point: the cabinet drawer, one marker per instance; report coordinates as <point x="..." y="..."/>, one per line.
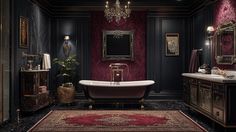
<point x="193" y="81"/>
<point x="218" y="114"/>
<point x="205" y="84"/>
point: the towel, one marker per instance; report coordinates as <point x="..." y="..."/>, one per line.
<point x="194" y="61"/>
<point x="43" y="89"/>
<point x="46" y="64"/>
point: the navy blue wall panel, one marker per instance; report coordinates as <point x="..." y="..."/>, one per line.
<point x="200" y="21"/>
<point x="172" y="66"/>
<point x="165" y="70"/>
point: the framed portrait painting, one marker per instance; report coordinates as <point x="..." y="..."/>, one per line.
<point x="24" y="32"/>
<point x="172" y="44"/>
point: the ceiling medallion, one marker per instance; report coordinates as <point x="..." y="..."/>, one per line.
<point x="117" y="12"/>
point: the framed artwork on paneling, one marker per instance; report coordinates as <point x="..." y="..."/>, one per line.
<point x="24" y="32"/>
<point x="172" y="44"/>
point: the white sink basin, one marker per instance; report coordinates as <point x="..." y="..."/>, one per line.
<point x="211" y="77"/>
<point x="216" y="76"/>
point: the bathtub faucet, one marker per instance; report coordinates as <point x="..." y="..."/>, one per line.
<point x="116" y="71"/>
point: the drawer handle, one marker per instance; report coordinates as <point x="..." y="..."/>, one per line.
<point x="217" y="113"/>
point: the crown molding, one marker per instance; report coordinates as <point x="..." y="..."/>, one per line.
<point x="70" y="7"/>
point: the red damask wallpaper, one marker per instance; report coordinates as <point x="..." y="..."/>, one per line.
<point x="225" y="10"/>
<point x="137" y="68"/>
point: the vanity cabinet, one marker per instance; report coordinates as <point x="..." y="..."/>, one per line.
<point x="216" y="100"/>
<point x="34" y="90"/>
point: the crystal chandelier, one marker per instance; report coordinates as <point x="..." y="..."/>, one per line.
<point x="117" y="12"/>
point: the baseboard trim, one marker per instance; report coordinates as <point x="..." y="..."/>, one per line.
<point x="151" y="96"/>
<point x="165" y="95"/>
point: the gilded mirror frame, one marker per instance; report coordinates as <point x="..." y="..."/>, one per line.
<point x="117" y="37"/>
<point x="225" y="35"/>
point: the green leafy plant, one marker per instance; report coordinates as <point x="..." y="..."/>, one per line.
<point x="66" y="67"/>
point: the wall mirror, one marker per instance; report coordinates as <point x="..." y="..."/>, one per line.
<point x="225" y="38"/>
<point x="117" y="45"/>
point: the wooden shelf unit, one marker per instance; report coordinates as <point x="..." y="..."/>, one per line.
<point x="34" y="90"/>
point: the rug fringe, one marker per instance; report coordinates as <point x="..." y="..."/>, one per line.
<point x="193" y="121"/>
<point x="40" y="121"/>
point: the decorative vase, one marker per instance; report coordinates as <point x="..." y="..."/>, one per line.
<point x="66" y="93"/>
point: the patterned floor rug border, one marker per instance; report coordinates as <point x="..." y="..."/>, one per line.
<point x="116" y="120"/>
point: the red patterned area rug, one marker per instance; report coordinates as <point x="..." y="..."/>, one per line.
<point x="116" y="121"/>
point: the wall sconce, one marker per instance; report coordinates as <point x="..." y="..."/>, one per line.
<point x="207" y="42"/>
<point x="66" y="46"/>
<point x="210" y="31"/>
<point x="66" y="38"/>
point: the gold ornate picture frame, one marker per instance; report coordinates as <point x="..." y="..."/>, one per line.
<point x="172" y="44"/>
<point x="24" y="32"/>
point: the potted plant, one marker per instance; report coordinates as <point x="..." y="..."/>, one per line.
<point x="67" y="67"/>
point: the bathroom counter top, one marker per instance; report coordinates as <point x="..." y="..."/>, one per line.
<point x="210" y="77"/>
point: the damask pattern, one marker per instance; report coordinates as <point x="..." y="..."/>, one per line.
<point x="137" y="68"/>
<point x="225" y="11"/>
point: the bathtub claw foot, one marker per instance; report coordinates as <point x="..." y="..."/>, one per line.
<point x="142" y="107"/>
<point x="90" y="107"/>
<point x="141" y="104"/>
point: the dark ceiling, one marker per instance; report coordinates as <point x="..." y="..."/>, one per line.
<point x="183" y="7"/>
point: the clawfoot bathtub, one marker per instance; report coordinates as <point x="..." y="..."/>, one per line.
<point x="124" y="91"/>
